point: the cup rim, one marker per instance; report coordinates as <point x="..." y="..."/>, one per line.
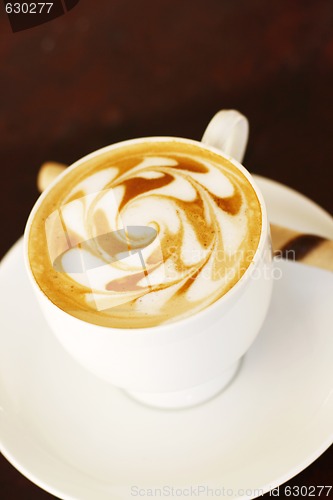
<point x="196" y="315"/>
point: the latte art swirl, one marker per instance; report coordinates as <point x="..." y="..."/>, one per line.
<point x="148" y="236"/>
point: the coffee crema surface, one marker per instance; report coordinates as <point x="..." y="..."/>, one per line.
<point x="145" y="233"/>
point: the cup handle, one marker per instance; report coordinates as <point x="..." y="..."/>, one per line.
<point x="228" y="130"/>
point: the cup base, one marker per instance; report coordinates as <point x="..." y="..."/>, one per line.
<point x="187" y="397"/>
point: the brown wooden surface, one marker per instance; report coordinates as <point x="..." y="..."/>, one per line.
<point x="115" y="69"/>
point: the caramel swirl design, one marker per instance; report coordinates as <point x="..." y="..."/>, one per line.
<point x="149" y="237"/>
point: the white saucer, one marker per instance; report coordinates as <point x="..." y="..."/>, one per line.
<point x="79" y="438"/>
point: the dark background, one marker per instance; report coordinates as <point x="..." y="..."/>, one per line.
<point x="110" y="70"/>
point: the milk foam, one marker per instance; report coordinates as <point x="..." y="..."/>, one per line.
<point x="201" y="209"/>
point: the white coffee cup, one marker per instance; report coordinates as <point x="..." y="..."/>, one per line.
<point x="188" y="361"/>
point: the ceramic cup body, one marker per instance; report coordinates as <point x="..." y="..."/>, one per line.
<point x="181" y="363"/>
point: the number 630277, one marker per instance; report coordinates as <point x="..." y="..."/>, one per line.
<point x="301" y="491"/>
<point x="28" y="8"/>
